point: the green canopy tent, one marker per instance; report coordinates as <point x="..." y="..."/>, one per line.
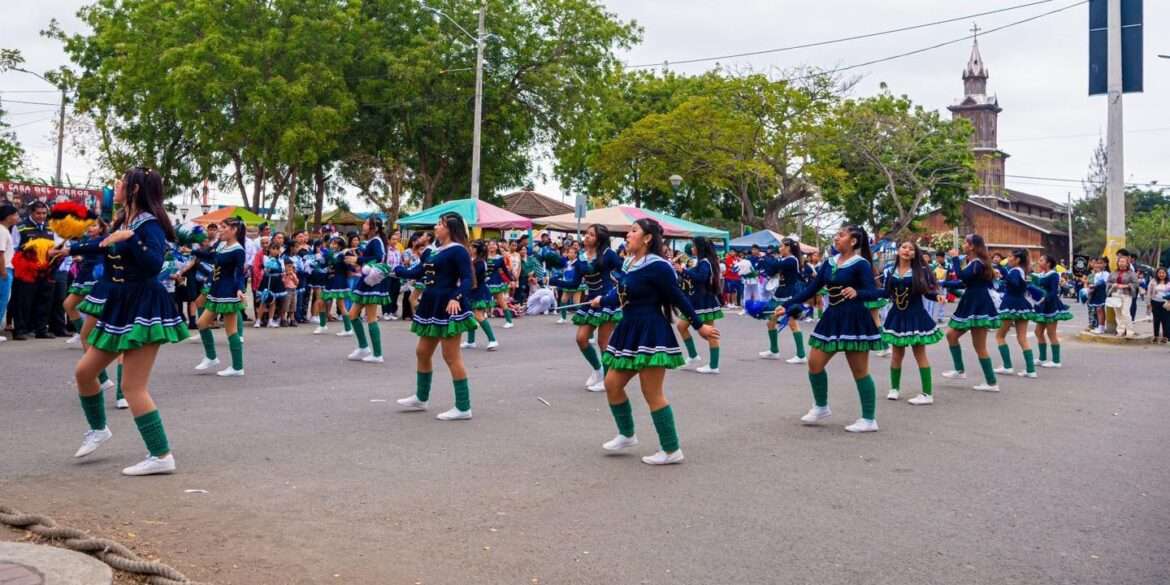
<point x="475" y="213"/>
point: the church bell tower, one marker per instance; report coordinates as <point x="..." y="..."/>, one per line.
<point x="982" y="110"/>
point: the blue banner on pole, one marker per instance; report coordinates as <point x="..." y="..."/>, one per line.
<point x="1131" y="46"/>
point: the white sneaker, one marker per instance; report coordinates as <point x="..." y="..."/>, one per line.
<point x="93" y="439"/>
<point x="1049" y="365"/>
<point x="707" y="370"/>
<point x="467" y="345"/>
<point x="455" y="414"/>
<point x="797" y="360"/>
<point x="664" y="458"/>
<point x="392" y="317"/>
<point x="374" y="359"/>
<point x="412" y="403"/>
<point x="620" y="442"/>
<point x="987" y="387"/>
<point x="922" y="399"/>
<point x="257" y="324"/>
<point x="894" y="394"/>
<point x="230" y="373"/>
<point x="358" y="354"/>
<point x="862" y="425"/>
<point x="152" y="466"/>
<point x="206" y="364"/>
<point x="769" y="355"/>
<point x="107" y="386"/>
<point x="341" y="333"/>
<point x="955" y="375"/>
<point x="509" y="325"/>
<point x="1099" y="331"/>
<point x="884" y="353"/>
<point x="121" y="404"/>
<point x="75" y="340"/>
<point x="691" y="360"/>
<point x="274" y="323"/>
<point x="3" y="339"/>
<point x="597" y="377"/>
<point x="320" y="330"/>
<point x="742" y="313"/>
<point x="816" y="415"/>
<point x="1005" y="371"/>
<point x="598" y="387"/>
<point x="493" y="345"/>
<point x="561" y="321"/>
<point x="1024" y="374"/>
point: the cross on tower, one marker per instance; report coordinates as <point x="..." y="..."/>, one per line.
<point x="975" y="30"/>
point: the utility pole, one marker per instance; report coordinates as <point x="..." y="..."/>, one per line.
<point x="475" y="147"/>
<point x="1070" y="230"/>
<point x="1114" y="143"/>
<point x="60" y="139"/>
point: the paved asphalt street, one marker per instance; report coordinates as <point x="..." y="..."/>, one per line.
<point x="312" y="476"/>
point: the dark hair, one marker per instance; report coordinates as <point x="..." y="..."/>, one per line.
<point x="480" y="248"/>
<point x="793" y="249"/>
<point x="921" y="278"/>
<point x="7" y="210"/>
<point x="412" y="241"/>
<point x="654" y="230"/>
<point x="706" y="250"/>
<point x="1021" y="256"/>
<point x="600" y="237"/>
<point x="980" y="249"/>
<point x="144" y="192"/>
<point x="379" y="228"/>
<point x="1049" y="259"/>
<point x="37" y="204"/>
<point x="1163" y="270"/>
<point x="237" y="226"/>
<point x="455" y="228"/>
<point x="861" y="238"/>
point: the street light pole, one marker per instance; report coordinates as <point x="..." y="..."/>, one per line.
<point x="476" y="133"/>
<point x="60" y="138"/>
<point x="1115" y="139"/>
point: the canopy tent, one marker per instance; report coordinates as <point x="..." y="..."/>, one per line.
<point x="219" y="215"/>
<point x="619" y="219"/>
<point x="341" y="217"/>
<point x="765" y="239"/>
<point x="476" y="213"/>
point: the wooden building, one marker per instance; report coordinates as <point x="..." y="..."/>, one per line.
<point x="1005" y="218"/>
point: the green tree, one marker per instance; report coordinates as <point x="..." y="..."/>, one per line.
<point x="1148" y="232"/>
<point x="899" y="161"/>
<point x="11" y="152"/>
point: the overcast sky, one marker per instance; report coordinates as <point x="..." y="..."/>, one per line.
<point x="1049" y="125"/>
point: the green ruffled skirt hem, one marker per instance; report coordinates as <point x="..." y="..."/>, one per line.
<point x="839" y="346"/>
<point x="597" y="320"/>
<point x="642" y="361"/>
<point x="1061" y="316"/>
<point x="223" y="308"/>
<point x="975" y="324"/>
<point x="92" y="309"/>
<point x="879" y="303"/>
<point x="362" y="299"/>
<point x="912" y="340"/>
<point x="1013" y="317"/>
<point x="139" y="336"/>
<point x="80" y="291"/>
<point x="451" y="329"/>
<point x="711" y="317"/>
<point x="483" y="305"/>
<point x="496" y="289"/>
<point x="331" y="295"/>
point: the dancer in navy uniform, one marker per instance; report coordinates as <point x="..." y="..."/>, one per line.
<point x="137" y="317"/>
<point x="498" y="279"/>
<point x="1050" y="310"/>
<point x="223" y="299"/>
<point x="336" y="282"/>
<point x="908" y="285"/>
<point x="597" y="270"/>
<point x="1015" y="312"/>
<point x="643" y="343"/>
<point x="976" y="310"/>
<point x="481" y="297"/>
<point x="443" y="314"/>
<point x="318" y="278"/>
<point x="787" y="275"/>
<point x="88" y="268"/>
<point x="847" y="325"/>
<point x="367" y="297"/>
<point x="701" y="284"/>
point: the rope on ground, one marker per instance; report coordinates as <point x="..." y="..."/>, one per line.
<point x="108" y="551"/>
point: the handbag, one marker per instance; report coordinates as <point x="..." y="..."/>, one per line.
<point x="1113" y="302"/>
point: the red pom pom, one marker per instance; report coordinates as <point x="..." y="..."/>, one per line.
<point x="68" y="208"/>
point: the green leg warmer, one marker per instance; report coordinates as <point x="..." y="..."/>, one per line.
<point x="798" y="336"/>
<point x="422" y="385"/>
<point x="487" y="329"/>
<point x="564" y="313"/>
<point x="360" y="333"/>
<point x="462" y="395"/>
<point x="1006" y="354"/>
<point x="927" y="380"/>
<point x="591" y="357"/>
<point x="348" y="324"/>
<point x="1029" y="361"/>
<point x="508" y="315"/>
<point x="773" y="341"/>
<point x="94" y="408"/>
<point x="957" y="357"/>
<point x="867" y="393"/>
<point x="236" y="346"/>
<point x="664" y="424"/>
<point x="208" y="343"/>
<point x="150" y="426"/>
<point x="623" y="415"/>
<point x="375" y="338"/>
<point x="1043" y="352"/>
<point x="76" y="324"/>
<point x="103" y="377"/>
<point x="895" y="378"/>
<point x="714" y="358"/>
<point x="690" y="343"/>
<point x="322" y="318"/>
<point x="1056" y="353"/>
<point x="118" y="373"/>
<point x="988" y="371"/>
<point x="820" y="388"/>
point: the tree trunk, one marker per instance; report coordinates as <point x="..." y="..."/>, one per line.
<point x="292" y="200"/>
<point x="258" y="189"/>
<point x="319" y="196"/>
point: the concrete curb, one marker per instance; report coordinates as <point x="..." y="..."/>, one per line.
<point x="35" y="564"/>
<point x="1087" y="337"/>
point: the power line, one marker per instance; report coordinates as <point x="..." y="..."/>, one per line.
<point x="31" y="123"/>
<point x="30" y="91"/>
<point x="1079" y="181"/>
<point x="843" y="39"/>
<point x="1098" y="134"/>
<point x="58" y="104"/>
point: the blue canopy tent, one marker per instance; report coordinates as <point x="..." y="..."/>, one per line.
<point x="764" y="239"/>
